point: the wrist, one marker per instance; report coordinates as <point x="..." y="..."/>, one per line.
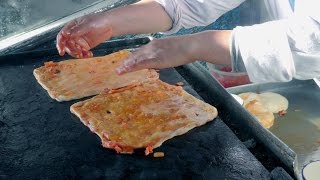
<point x="109" y="21"/>
<point x="211" y="46"/>
<point x="196" y="43"/>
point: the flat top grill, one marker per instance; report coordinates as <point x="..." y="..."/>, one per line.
<point x="39" y="137"/>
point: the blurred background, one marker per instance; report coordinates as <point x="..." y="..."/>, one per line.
<point x="18" y="16"/>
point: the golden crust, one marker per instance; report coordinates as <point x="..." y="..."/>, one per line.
<point x="252" y="102"/>
<point x="265" y="117"/>
<point x="142" y="117"/>
<point x="274" y="102"/>
<point x="78" y="78"/>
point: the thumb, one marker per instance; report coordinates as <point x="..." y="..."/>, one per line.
<point x="60" y="44"/>
<point x="135" y="63"/>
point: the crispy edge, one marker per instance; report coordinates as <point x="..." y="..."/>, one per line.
<point x="75" y="110"/>
<point x="152" y="75"/>
<point x="60" y="98"/>
<point x="104" y="140"/>
<point x="38" y="76"/>
<point x="183" y="130"/>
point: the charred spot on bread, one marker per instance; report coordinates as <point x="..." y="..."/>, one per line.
<point x="179" y="84"/>
<point x="57" y="71"/>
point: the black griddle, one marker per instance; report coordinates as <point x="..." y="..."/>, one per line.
<point x="41" y="139"/>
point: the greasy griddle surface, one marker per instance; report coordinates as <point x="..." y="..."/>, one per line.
<point x="40" y="138"/>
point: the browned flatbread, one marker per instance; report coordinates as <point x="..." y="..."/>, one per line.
<point x="252" y="102"/>
<point x="263" y="105"/>
<point x="77" y="78"/>
<point x="274" y="102"/>
<point x="265" y="117"/>
<point x="143" y="116"/>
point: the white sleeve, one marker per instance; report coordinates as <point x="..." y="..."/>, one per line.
<point x="279" y="50"/>
<point x="191" y="13"/>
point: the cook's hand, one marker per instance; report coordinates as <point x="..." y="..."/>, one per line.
<point x="211" y="46"/>
<point x="83" y="34"/>
<point x="158" y="54"/>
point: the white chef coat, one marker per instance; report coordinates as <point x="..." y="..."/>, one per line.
<point x="285" y="47"/>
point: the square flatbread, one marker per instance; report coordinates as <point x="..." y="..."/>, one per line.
<point x="143" y="116"/>
<point x="77" y="78"/>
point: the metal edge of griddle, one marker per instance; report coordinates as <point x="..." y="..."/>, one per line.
<point x="277" y="86"/>
<point x="107" y="47"/>
<point x="271" y="86"/>
<point x="247" y="124"/>
<point x="39" y="35"/>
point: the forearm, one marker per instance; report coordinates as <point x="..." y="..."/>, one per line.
<point x="191" y="13"/>
<point x="146" y="16"/>
<point x="211" y="46"/>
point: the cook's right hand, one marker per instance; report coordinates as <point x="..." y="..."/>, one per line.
<point x="79" y="36"/>
<point x="159" y="54"/>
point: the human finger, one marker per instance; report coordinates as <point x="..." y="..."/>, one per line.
<point x="83" y="43"/>
<point x="60" y="44"/>
<point x="72" y="53"/>
<point x="137" y="62"/>
<point x="87" y="54"/>
<point x="74" y="47"/>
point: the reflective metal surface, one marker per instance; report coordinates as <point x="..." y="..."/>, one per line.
<point x="29" y="39"/>
<point x="17" y="16"/>
<point x="299" y="129"/>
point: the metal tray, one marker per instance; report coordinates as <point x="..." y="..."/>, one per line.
<point x="39" y="137"/>
<point x="266" y="147"/>
<point x="299" y="129"/>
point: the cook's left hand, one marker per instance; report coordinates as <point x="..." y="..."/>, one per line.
<point x="79" y="36"/>
<point x="158" y="54"/>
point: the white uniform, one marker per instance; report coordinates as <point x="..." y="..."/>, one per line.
<point x="285" y="47"/>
